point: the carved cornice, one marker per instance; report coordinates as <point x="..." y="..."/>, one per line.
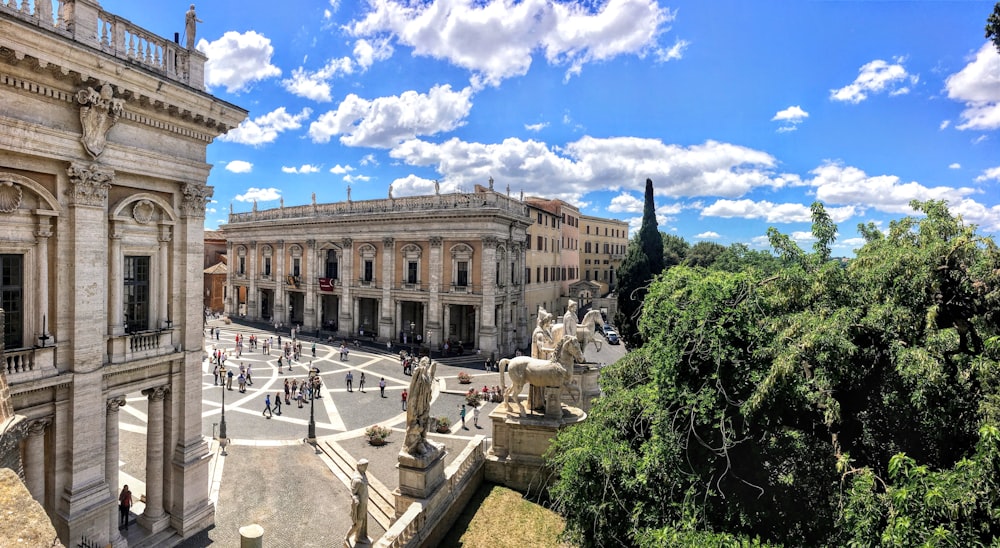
<point x="195" y="199"/>
<point x="114" y="404"/>
<point x="37" y="427"/>
<point x="490" y="242"/>
<point x="348" y="242"/>
<point x="437" y="241"/>
<point x="157" y="393"/>
<point x="389" y="243"/>
<point x="89" y="184"/>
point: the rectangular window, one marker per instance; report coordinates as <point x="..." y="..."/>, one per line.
<point x="539" y="243"/>
<point x="136" y="293"/>
<point x="527" y="275"/>
<point x="463" y="273"/>
<point x="267" y="266"/>
<point x="546" y="275"/>
<point x="539" y="217"/>
<point x="538" y="274"/>
<point x="296" y="267"/>
<point x="243" y="266"/>
<point x="411" y="272"/>
<point x="13" y="300"/>
<point x="331" y="264"/>
<point x="529" y="241"/>
<point x="369" y="270"/>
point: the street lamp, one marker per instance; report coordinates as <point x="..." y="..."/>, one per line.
<point x="222" y="423"/>
<point x="312" y="407"/>
<point x="430" y="348"/>
<point x="412" y="326"/>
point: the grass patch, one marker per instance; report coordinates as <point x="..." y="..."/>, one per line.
<point x="497" y="517"/>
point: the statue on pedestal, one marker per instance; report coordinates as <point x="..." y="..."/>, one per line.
<point x="542" y="344"/>
<point x="358" y="534"/>
<point x="190" y="23"/>
<point x="418" y="409"/>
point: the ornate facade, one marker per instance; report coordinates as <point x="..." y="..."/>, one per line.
<point x="445" y="267"/>
<point x="103" y="131"/>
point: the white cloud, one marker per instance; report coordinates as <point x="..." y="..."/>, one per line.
<point x="991" y="174"/>
<point x="625" y="203"/>
<point x="707" y="235"/>
<point x="496" y="39"/>
<point x="978" y="86"/>
<point x="944" y="124"/>
<point x="356" y="178"/>
<point x="239" y="166"/>
<point x="303" y="169"/>
<point x="340" y="170"/>
<point x="955" y="165"/>
<point x="258" y="194"/>
<point x="803" y="237"/>
<point x="327" y="14"/>
<point x="876" y="77"/>
<point x="387" y="121"/>
<point x="672" y="53"/>
<point x="771" y="212"/>
<point x="793" y="114"/>
<point x="412" y="185"/>
<point x="536" y="127"/>
<point x="368" y="160"/>
<point x="366" y="52"/>
<point x="265" y="129"/>
<point x="591" y="164"/>
<point x="238" y="60"/>
<point x="316" y="85"/>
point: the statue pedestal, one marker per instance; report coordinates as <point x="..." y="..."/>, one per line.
<point x="515" y="459"/>
<point x="353" y="542"/>
<point x="420" y="475"/>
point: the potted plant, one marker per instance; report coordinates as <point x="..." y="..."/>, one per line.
<point x="464" y="378"/>
<point x="442" y="424"/>
<point x="473" y="398"/>
<point x="377" y="434"/>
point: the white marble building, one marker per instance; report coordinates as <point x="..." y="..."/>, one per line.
<point x="103" y="132"/>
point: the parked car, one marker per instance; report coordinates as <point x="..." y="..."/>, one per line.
<point x="612" y="337"/>
<point x="607" y="329"/>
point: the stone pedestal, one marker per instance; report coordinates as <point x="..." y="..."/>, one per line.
<point x="251" y="536"/>
<point x="515" y="459"/>
<point x="352" y="542"/>
<point x="420" y="475"/>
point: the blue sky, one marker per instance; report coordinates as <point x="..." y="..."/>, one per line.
<point x="742" y="113"/>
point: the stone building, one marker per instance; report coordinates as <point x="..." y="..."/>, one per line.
<point x="215" y="271"/>
<point x="444" y="267"/>
<point x="103" y="133"/>
<point x="604" y="242"/>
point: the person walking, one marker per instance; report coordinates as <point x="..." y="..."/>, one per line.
<point x="475" y="416"/>
<point x="249" y="375"/>
<point x="267" y="407"/>
<point x="242" y="383"/>
<point x="288" y="391"/>
<point x="279" y="365"/>
<point x="381" y="387"/>
<point x="314" y="349"/>
<point x="361" y="382"/>
<point x="124" y="505"/>
<point x="403" y="398"/>
<point x="229" y="379"/>
<point x="299" y="396"/>
<point x="215" y="374"/>
<point x="277" y="402"/>
<point x="349" y="379"/>
<point x="462" y="415"/>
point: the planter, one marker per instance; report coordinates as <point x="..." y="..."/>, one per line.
<point x="443" y="430"/>
<point x="377" y="441"/>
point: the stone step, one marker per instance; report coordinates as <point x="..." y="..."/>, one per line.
<point x="383" y="503"/>
<point x="166" y="537"/>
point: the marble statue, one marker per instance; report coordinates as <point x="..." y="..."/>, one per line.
<point x="348" y="193"/>
<point x="418" y="408"/>
<point x="491" y="182"/>
<point x="542" y="345"/>
<point x="390" y="192"/>
<point x="314" y="198"/>
<point x="190" y="22"/>
<point x="358" y="534"/>
<point x="570" y="319"/>
<point x="437" y="187"/>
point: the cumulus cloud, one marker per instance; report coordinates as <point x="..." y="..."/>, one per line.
<point x="340" y="170"/>
<point x="303" y="169"/>
<point x="672" y="53"/>
<point x="497" y="39"/>
<point x="876" y="77"/>
<point x="772" y="212"/>
<point x="236" y="60"/>
<point x="955" y="165"/>
<point x="239" y="166"/>
<point x="707" y="235"/>
<point x="315" y="85"/>
<point x="265" y="129"/>
<point x="536" y="127"/>
<point x="790" y="118"/>
<point x="944" y="124"/>
<point x="366" y="52"/>
<point x="991" y="174"/>
<point x="387" y="121"/>
<point x="258" y="194"/>
<point x="625" y="203"/>
<point x="368" y="160"/>
<point x="356" y="178"/>
<point x="978" y="86"/>
<point x="591" y="164"/>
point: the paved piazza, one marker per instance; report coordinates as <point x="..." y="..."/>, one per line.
<point x="268" y="474"/>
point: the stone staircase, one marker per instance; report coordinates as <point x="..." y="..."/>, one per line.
<point x="382" y="504"/>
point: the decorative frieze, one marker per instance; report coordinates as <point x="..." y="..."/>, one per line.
<point x="89" y="184"/>
<point x="436" y="241"/>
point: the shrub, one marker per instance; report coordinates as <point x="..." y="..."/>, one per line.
<point x="464" y="377"/>
<point x="472" y="398"/>
<point x="442" y="423"/>
<point x="377" y="434"/>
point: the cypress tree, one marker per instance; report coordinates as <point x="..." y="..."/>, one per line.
<point x="643" y="261"/>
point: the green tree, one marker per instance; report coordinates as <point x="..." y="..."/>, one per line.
<point x="704" y="254"/>
<point x="993" y="26"/>
<point x="675" y="249"/>
<point x="809" y="404"/>
<point x="643" y="261"/>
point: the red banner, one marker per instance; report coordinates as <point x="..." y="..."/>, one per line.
<point x="326" y="284"/>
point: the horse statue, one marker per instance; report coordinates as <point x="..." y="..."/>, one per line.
<point x="527" y="370"/>
<point x="584" y="331"/>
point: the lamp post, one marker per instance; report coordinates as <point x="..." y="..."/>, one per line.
<point x="312" y="407"/>
<point x="222" y="423"/>
<point x="412" y="326"/>
<point x="430" y="348"/>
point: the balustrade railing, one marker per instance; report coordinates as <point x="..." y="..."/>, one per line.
<point x="19" y="361"/>
<point x="25" y="364"/>
<point x="113" y="35"/>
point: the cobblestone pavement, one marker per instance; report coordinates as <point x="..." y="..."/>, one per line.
<point x="268" y="474"/>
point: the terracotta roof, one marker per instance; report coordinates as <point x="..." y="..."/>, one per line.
<point x="214" y="235"/>
<point x="217" y="268"/>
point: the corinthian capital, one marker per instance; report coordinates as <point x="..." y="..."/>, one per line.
<point x="195" y="199"/>
<point x="89" y="184"/>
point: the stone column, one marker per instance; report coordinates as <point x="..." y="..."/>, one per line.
<point x="164" y="276"/>
<point x="42" y="235"/>
<point x="280" y="308"/>
<point x="111" y="451"/>
<point x="488" y="323"/>
<point x="346" y="322"/>
<point x="309" y="316"/>
<point x="397" y="323"/>
<point x="385" y="323"/>
<point x="154" y="518"/>
<point x="252" y="312"/>
<point x="116" y="326"/>
<point x="434" y="283"/>
<point x="34" y="458"/>
<point x="227" y="304"/>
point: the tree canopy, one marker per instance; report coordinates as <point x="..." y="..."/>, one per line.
<point x="793" y="401"/>
<point x="643" y="261"/>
